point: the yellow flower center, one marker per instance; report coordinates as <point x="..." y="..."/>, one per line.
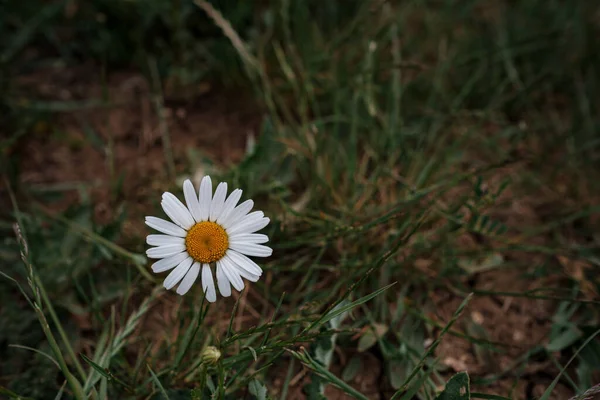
<point x="206" y="242"/>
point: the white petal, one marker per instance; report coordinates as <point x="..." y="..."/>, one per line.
<point x="237" y="214"/>
<point x="165" y="251"/>
<point x="189" y="279"/>
<point x="216" y="205"/>
<point x="247" y="275"/>
<point x="178" y="273"/>
<point x="165" y="226"/>
<point x="249" y="224"/>
<point x="167" y="263"/>
<point x="205" y="197"/>
<point x="247" y="219"/>
<point x="232" y="274"/>
<point x="208" y="284"/>
<point x="230" y="203"/>
<point x="254" y="226"/>
<point x="244" y="262"/>
<point x="160" y="240"/>
<point x="243" y="272"/>
<point x="222" y="281"/>
<point x="177" y="211"/>
<point x="248" y="238"/>
<point x="251" y="249"/>
<point x="191" y="199"/>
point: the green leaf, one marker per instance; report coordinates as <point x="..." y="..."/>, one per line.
<point x="366" y="341"/>
<point x="483" y="225"/>
<point x="564" y="339"/>
<point x="397" y="372"/>
<point x="257" y="389"/>
<point x="352" y="368"/>
<point x="98" y="368"/>
<point x="481" y="264"/>
<point x="457" y="388"/>
<point x="313" y="390"/>
<point x="105" y="372"/>
<point x="324" y="349"/>
<point x="369" y="338"/>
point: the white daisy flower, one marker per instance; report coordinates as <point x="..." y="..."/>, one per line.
<point x="210" y="230"/>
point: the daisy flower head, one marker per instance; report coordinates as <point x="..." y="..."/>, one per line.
<point x="210" y="230"/>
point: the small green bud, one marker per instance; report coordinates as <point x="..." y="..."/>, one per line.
<point x="210" y="355"/>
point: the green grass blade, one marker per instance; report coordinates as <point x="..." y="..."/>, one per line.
<point x="548" y="391"/>
<point x="48" y="356"/>
<point x="157" y="383"/>
<point x="341" y="310"/>
<point x="433" y="346"/>
<point x="328" y="376"/>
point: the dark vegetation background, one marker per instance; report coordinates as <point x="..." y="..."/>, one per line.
<point x="449" y="147"/>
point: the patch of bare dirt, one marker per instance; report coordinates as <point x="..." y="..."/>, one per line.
<point x="123" y="140"/>
<point x="514" y="325"/>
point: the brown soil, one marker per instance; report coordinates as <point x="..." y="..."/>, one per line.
<point x="515" y="325"/>
<point x="207" y="133"/>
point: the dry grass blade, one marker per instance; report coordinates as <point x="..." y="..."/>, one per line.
<point x="38" y="303"/>
<point x="232" y="35"/>
<point x="120" y="339"/>
<point x="589" y="394"/>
